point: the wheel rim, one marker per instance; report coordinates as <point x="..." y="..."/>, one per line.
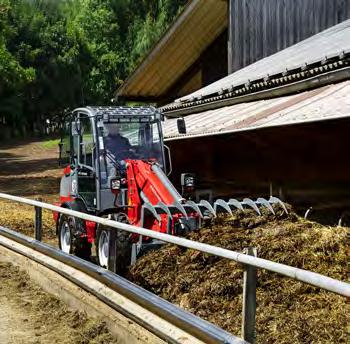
<point x="103" y="249"/>
<point x="65" y="238"/>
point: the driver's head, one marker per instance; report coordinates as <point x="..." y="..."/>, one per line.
<point x="114" y="129"/>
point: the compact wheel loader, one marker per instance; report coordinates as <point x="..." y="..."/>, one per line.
<point x="116" y="165"/>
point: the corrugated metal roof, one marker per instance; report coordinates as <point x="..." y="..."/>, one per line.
<point x="324" y="45"/>
<point x="193" y="31"/>
<point x="329" y="102"/>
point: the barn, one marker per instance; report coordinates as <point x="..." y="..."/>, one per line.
<point x="263" y="87"/>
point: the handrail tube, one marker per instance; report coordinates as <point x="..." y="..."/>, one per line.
<point x="309" y="277"/>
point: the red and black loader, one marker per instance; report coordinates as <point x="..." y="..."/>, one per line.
<point x="117" y="166"/>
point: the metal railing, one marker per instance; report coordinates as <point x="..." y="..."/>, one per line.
<point x="175" y="316"/>
<point x="248" y="259"/>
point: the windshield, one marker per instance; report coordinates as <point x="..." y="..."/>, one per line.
<point x="127" y="140"/>
<point x="133" y="140"/>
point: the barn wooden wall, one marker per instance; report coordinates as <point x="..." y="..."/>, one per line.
<point x="259" y="28"/>
<point x="209" y="67"/>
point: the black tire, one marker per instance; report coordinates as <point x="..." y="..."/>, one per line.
<point x="123" y="247"/>
<point x="74" y="243"/>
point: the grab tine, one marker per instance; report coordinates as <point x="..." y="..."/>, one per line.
<point x="235" y="203"/>
<point x="251" y="204"/>
<point x="276" y="200"/>
<point x="165" y="208"/>
<point x="180" y="207"/>
<point x="152" y="209"/>
<point x="265" y="203"/>
<point x="207" y="206"/>
<point x="221" y="203"/>
<point x="195" y="207"/>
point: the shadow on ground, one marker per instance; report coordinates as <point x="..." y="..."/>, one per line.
<point x="12" y="164"/>
<point x="30" y="186"/>
<point x="19" y="142"/>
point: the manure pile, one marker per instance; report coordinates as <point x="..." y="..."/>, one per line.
<point x="287" y="311"/>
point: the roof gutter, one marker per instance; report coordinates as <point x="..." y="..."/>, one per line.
<point x="324" y="79"/>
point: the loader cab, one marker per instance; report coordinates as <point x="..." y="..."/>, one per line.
<point x="126" y="135"/>
<point x="94" y="148"/>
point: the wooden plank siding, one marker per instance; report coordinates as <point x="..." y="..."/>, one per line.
<point x="260" y="28"/>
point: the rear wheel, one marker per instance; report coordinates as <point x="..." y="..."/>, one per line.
<point x="123" y="246"/>
<point x="71" y="237"/>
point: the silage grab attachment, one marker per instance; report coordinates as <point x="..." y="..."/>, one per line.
<point x="157" y="205"/>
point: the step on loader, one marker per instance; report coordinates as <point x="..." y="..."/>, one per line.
<point x="116" y="165"/>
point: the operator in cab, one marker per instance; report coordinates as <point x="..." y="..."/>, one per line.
<point x="117" y="144"/>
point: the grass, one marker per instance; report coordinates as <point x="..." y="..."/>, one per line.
<point x="48" y="144"/>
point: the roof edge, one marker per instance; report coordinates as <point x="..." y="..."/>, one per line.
<point x="320" y="74"/>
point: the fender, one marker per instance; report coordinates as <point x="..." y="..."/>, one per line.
<point x="77" y="204"/>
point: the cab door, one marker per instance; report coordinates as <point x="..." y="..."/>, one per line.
<point x="66" y="159"/>
<point x="85" y="147"/>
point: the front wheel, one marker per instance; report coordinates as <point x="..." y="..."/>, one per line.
<point x="65" y="237"/>
<point x="103" y="242"/>
<point x="123" y="247"/>
<point x="70" y="238"/>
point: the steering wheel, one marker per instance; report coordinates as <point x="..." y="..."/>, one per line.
<point x="130" y="153"/>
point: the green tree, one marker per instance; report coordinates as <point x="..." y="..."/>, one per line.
<point x="59" y="54"/>
<point x="14" y="76"/>
<point x="152" y="18"/>
<point x="103" y="65"/>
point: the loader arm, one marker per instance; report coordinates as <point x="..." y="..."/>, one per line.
<point x="153" y="200"/>
<point x="154" y="184"/>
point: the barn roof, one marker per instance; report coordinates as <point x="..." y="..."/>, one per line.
<point x="196" y="27"/>
<point x="325" y="103"/>
<point x="320" y="54"/>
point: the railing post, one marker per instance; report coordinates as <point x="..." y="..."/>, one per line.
<point x="38" y="226"/>
<point x="249" y="299"/>
<point x="112" y="250"/>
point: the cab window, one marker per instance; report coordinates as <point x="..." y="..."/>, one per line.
<point x="86" y="141"/>
<point x="65" y="144"/>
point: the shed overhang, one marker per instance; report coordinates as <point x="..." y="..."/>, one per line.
<point x="194" y="30"/>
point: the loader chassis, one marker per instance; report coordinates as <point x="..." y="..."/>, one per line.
<point x="114" y="166"/>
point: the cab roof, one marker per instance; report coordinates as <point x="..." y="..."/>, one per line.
<point x="105" y="112"/>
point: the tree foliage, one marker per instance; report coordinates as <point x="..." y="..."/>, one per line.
<point x="59" y="54"/>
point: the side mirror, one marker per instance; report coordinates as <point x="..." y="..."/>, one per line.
<point x="181" y="126"/>
<point x="187" y="183"/>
